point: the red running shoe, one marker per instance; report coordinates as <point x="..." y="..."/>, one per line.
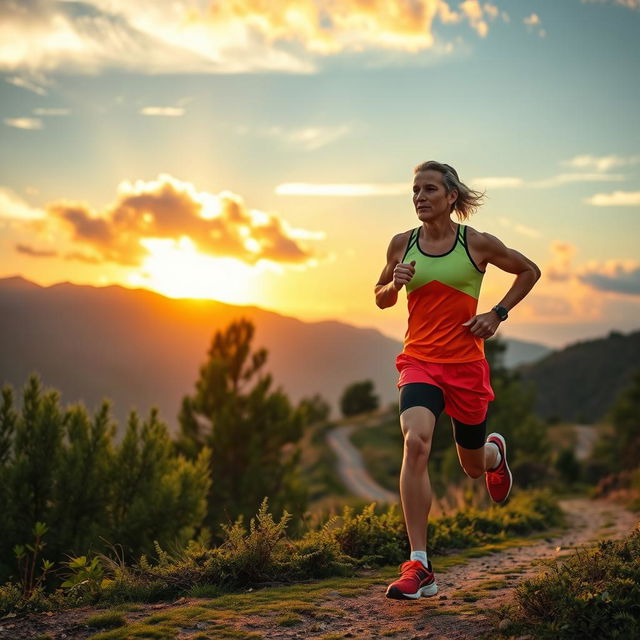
<point x="499" y="480"/>
<point x="415" y="581"/>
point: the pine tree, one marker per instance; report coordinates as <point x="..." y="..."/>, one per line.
<point x="154" y="495"/>
<point x="37" y="444"/>
<point x="81" y="491"/>
<point x="63" y="468"/>
<point x="252" y="431"/>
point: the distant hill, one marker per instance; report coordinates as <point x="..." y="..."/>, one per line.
<point x="142" y="349"/>
<point x="520" y="352"/>
<point x="580" y="382"/>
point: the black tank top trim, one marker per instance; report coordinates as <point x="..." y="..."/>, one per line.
<point x="412" y="241"/>
<point x="465" y="244"/>
<point x="436" y="255"/>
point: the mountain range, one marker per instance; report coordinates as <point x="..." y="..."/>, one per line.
<point x="142" y="349"/>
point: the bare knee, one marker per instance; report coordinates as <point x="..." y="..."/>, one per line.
<point x="417" y="447"/>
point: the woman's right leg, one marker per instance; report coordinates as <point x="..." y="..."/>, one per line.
<point x="417" y="425"/>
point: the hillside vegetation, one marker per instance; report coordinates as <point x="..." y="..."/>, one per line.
<point x="579" y="383"/>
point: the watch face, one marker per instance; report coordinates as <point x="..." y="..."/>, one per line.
<point x="501" y="311"/>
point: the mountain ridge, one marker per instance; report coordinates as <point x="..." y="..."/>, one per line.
<point x="143" y="349"/>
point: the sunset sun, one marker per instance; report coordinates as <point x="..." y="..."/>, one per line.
<point x="176" y="269"/>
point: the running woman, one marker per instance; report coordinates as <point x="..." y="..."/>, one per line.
<point x="442" y="366"/>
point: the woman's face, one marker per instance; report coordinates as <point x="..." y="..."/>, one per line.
<point x="430" y="198"/>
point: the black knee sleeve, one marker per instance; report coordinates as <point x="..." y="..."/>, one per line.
<point x="421" y="394"/>
<point x="469" y="436"/>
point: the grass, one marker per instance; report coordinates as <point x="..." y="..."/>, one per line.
<point x="106" y="620"/>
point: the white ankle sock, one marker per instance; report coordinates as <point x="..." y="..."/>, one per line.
<point x="498" y="457"/>
<point x="420" y="555"/>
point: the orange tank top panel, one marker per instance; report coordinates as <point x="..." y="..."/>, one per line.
<point x="442" y="295"/>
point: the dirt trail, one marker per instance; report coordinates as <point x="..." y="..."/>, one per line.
<point x="457" y="613"/>
<point x="461" y="610"/>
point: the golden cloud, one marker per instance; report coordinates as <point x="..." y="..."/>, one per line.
<point x="560" y="269"/>
<point x="615" y="199"/>
<point x="35" y="253"/>
<point x="334" y="26"/>
<point x="614" y="276"/>
<point x="217" y="225"/>
<point x="227" y="36"/>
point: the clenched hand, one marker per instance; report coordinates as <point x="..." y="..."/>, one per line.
<point x="403" y="273"/>
<point x="483" y="325"/>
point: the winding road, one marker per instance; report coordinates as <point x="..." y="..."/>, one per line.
<point x="351" y="468"/>
<point x="358" y="481"/>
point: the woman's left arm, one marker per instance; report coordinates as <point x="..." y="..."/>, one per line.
<point x="493" y="251"/>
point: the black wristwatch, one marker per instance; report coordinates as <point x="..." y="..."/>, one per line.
<point x="503" y="314"/>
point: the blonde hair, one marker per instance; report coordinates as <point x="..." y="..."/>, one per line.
<point x="468" y="200"/>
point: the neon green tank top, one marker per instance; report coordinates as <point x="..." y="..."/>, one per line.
<point x="441" y="296"/>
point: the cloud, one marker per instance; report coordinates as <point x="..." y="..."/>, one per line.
<point x="520" y="228"/>
<point x="629" y="4"/>
<point x="52" y="112"/>
<point x="533" y="22"/>
<point x="41" y="36"/>
<point x="309" y="138"/>
<point x="342" y="190"/>
<point x="168" y="209"/>
<point x="27" y="84"/>
<point x="567" y="178"/>
<point x="600" y="163"/>
<point x="14" y="207"/>
<point x="513" y="182"/>
<point x="162" y="111"/>
<point x="548" y="306"/>
<point x="498" y="182"/>
<point x="35" y="253"/>
<point x="527" y="231"/>
<point x="24" y="123"/>
<point x="617" y="276"/>
<point x="82" y="257"/>
<point x="615" y="199"/>
<point x="560" y="268"/>
<point x="475" y="14"/>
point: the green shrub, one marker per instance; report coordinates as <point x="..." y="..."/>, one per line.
<point x="592" y="594"/>
<point x="526" y="512"/>
<point x="380" y="539"/>
<point x="13" y="600"/>
<point x="262" y="553"/>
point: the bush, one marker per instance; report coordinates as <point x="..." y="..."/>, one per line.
<point x="263" y="554"/>
<point x="593" y="594"/>
<point x="379" y="539"/>
<point x="526" y="512"/>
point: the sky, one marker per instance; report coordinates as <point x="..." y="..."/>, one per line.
<point x="262" y="153"/>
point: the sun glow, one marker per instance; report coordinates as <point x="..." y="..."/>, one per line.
<point x="176" y="269"/>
